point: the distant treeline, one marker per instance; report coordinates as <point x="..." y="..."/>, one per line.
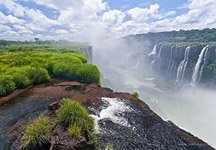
<point x="37" y="41"/>
<point x="205" y="35"/>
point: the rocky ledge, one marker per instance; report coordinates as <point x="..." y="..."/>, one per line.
<point x="122" y="120"/>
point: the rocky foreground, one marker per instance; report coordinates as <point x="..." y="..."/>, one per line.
<point x="122" y="120"/>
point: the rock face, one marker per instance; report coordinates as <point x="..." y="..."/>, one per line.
<point x="122" y="120"/>
<point x="178" y="62"/>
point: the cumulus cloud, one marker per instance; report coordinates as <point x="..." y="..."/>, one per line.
<point x="113" y="17"/>
<point x="143" y="14"/>
<point x="9" y="19"/>
<point x="78" y="17"/>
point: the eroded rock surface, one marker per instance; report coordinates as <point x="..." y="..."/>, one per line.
<point x="123" y="120"/>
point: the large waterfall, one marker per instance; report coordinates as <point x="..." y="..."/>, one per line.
<point x="197" y="73"/>
<point x="183" y="65"/>
<point x="156" y="55"/>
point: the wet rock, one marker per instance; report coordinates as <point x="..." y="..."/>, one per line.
<point x="53" y="106"/>
<point x="144" y="130"/>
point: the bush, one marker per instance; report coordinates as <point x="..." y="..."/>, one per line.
<point x="65" y="71"/>
<point x="6" y="85"/>
<point x="136" y="94"/>
<point x="21" y="80"/>
<point x="36" y="133"/>
<point x="74" y="131"/>
<point x="2" y="91"/>
<point x="38" y="75"/>
<point x="88" y="73"/>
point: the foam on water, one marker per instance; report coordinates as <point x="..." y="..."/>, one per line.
<point x="113" y="112"/>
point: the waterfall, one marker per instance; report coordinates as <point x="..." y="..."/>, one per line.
<point x="154" y="51"/>
<point x="183" y="65"/>
<point x="156" y="56"/>
<point x="202" y="60"/>
<point x="170" y="66"/>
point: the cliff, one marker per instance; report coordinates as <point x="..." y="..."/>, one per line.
<point x="184" y="63"/>
<point x="122" y="120"/>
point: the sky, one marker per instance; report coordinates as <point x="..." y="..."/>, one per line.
<point x="76" y="20"/>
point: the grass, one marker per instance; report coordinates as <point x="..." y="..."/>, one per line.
<point x="77" y="119"/>
<point x="25" y="65"/>
<point x="135" y="94"/>
<point x="109" y="147"/>
<point x="36" y="133"/>
<point x="75" y="131"/>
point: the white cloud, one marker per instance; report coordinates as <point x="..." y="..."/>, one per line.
<point x="80" y="19"/>
<point x="16" y="9"/>
<point x="10" y="19"/>
<point x="60" y="31"/>
<point x="113" y="17"/>
<point x="39" y="18"/>
<point x="143" y="14"/>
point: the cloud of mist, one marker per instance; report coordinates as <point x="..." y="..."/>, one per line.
<point x="124" y="67"/>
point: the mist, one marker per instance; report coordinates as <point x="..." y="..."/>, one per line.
<point x="123" y="68"/>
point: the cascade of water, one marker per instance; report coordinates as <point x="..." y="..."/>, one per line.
<point x="154" y="51"/>
<point x="170" y="66"/>
<point x="204" y="63"/>
<point x="183" y="65"/>
<point x="197" y="73"/>
<point x="156" y="57"/>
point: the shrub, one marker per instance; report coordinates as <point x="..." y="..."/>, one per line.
<point x="2" y="91"/>
<point x="21" y="80"/>
<point x="88" y="73"/>
<point x="136" y="94"/>
<point x="65" y="70"/>
<point x="38" y="75"/>
<point x="36" y="133"/>
<point x="74" y="131"/>
<point x="7" y="85"/>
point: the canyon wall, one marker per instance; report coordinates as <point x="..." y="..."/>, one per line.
<point x="192" y="64"/>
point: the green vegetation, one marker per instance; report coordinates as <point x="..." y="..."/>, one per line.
<point x="136" y="94"/>
<point x="26" y="65"/>
<point x="36" y="133"/>
<point x="109" y="147"/>
<point x="6" y="85"/>
<point x="180" y="44"/>
<point x="74" y="117"/>
<point x="75" y="131"/>
<point x="77" y="118"/>
<point x="205" y="35"/>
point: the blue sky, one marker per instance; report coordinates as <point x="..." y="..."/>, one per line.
<point x="72" y="19"/>
<point x="122" y="4"/>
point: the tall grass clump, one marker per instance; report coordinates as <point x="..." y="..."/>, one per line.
<point x="75" y="131"/>
<point x="21" y="80"/>
<point x="36" y="133"/>
<point x="7" y="85"/>
<point x="77" y="118"/>
<point x="88" y="73"/>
